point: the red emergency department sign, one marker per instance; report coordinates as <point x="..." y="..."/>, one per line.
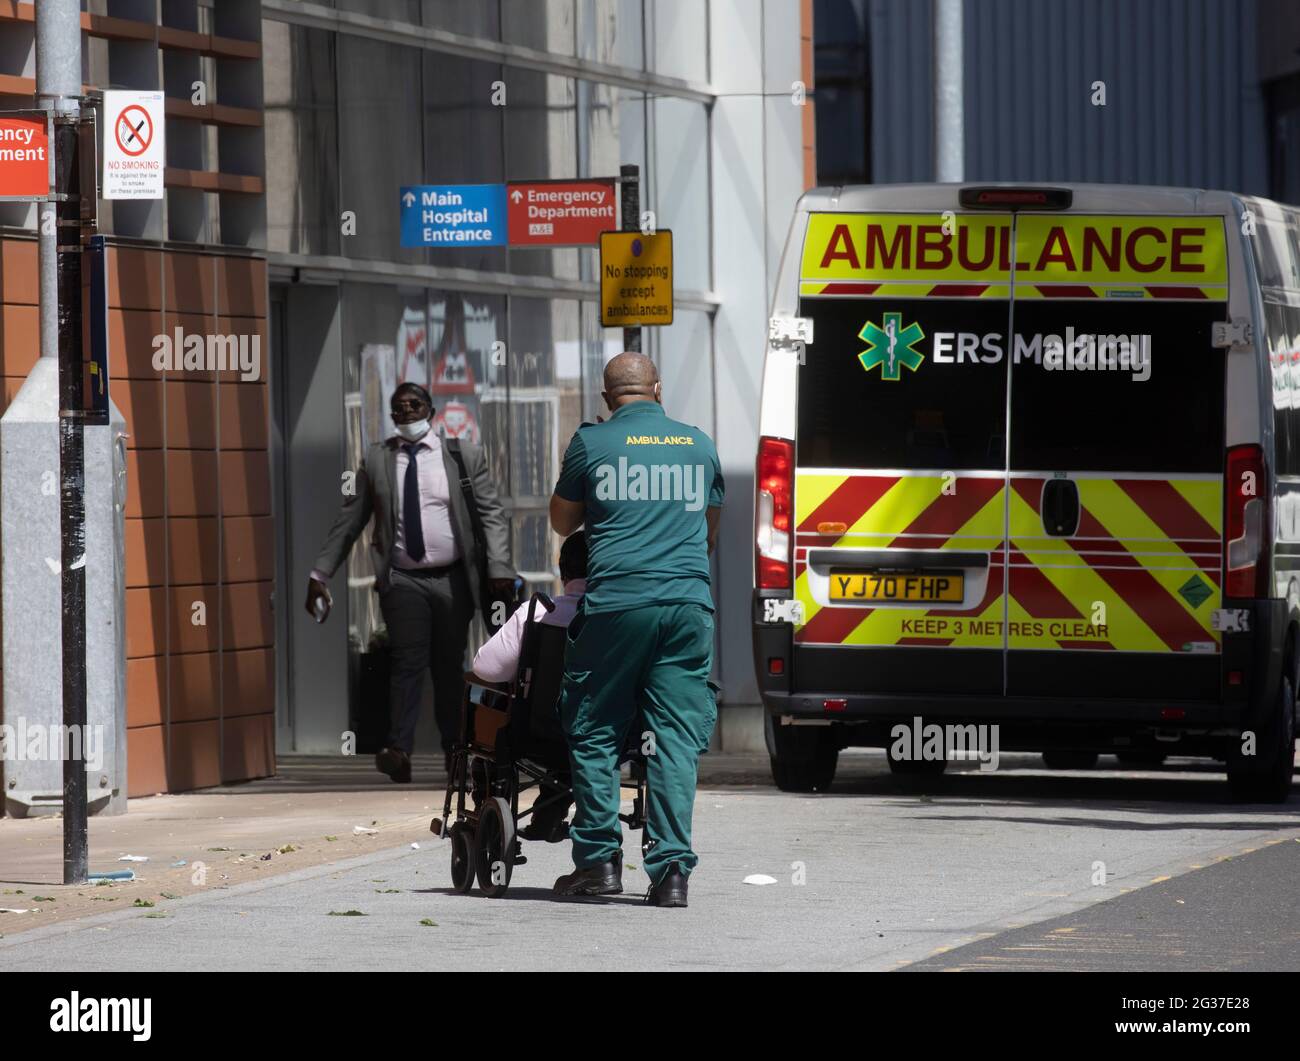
<point x="24" y="157"/>
<point x="559" y="213"/>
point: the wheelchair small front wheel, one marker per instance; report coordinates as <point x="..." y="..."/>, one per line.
<point x="494" y="847"/>
<point x="462" y="857"/>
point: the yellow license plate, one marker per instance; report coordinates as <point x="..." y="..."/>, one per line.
<point x="878" y="586"/>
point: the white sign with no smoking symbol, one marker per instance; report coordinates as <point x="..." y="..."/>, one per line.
<point x="135" y="155"/>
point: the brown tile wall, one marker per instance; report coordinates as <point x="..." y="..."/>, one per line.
<point x="809" y="111"/>
<point x="200" y="697"/>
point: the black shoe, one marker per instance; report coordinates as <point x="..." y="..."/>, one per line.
<point x="551" y="832"/>
<point x="671" y="889"/>
<point x="605" y="879"/>
<point x="395" y="763"/>
<point x="548" y="822"/>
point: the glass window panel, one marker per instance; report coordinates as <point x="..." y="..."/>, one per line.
<point x="375" y="321"/>
<point x="598" y="346"/>
<point x="611" y="128"/>
<point x="546" y="25"/>
<point x="611" y="133"/>
<point x="463" y="141"/>
<point x="612" y="31"/>
<point x="464" y="330"/>
<point x="469" y="386"/>
<point x="398" y="10"/>
<point x="545" y="373"/>
<point x="301" y="139"/>
<point x="473" y="18"/>
<point x="380" y="126"/>
<point x="681" y="187"/>
<point x="685" y="363"/>
<point x="677" y="38"/>
<point x="541" y="144"/>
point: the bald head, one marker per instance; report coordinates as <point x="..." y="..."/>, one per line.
<point x="630" y="377"/>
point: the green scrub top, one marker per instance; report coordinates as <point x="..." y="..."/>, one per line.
<point x="647" y="481"/>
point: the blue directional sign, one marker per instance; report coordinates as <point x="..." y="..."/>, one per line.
<point x="454" y="215"/>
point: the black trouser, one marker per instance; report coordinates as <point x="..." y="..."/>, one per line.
<point x="428" y="620"/>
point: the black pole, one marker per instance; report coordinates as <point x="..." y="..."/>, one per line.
<point x="72" y="501"/>
<point x="630" y="209"/>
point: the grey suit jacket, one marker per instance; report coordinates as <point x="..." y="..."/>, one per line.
<point x="376" y="494"/>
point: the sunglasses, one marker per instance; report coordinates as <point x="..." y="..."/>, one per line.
<point x="412" y="406"/>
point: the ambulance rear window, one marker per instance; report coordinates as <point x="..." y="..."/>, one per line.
<point x="859" y="410"/>
<point x="1112" y="413"/>
<point x="921" y="384"/>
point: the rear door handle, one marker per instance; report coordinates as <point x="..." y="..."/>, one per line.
<point x="1060" y="508"/>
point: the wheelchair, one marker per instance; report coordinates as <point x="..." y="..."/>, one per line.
<point x="511" y="742"/>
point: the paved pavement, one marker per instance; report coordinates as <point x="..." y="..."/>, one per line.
<point x="869" y="876"/>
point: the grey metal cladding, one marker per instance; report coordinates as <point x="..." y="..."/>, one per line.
<point x="1184" y="104"/>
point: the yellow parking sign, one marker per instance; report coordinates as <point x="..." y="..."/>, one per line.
<point x="636" y="279"/>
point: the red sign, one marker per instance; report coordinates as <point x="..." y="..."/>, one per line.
<point x="24" y="158"/>
<point x="560" y="213"/>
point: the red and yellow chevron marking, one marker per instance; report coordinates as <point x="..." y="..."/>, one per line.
<point x="1144" y="564"/>
<point x="839" y="510"/>
<point x="866" y="289"/>
<point x="1142" y="574"/>
<point x="1141" y="291"/>
<point x="862" y="289"/>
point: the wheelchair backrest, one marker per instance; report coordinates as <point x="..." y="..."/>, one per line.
<point x="541" y="673"/>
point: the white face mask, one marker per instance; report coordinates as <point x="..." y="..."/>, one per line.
<point x="413" y="432"/>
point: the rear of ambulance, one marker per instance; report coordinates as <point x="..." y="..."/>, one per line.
<point x="997" y="426"/>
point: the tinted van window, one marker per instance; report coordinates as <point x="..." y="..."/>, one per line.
<point x="939" y="403"/>
<point x="1164" y="416"/>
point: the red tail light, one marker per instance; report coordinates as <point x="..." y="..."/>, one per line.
<point x="774" y="502"/>
<point x="1247" y="528"/>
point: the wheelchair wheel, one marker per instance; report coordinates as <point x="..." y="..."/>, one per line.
<point x="462" y="857"/>
<point x="494" y="847"/>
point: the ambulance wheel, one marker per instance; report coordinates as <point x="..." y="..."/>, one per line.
<point x="1265" y="776"/>
<point x="1063" y="759"/>
<point x="462" y="858"/>
<point x="494" y="847"/>
<point x="803" y="757"/>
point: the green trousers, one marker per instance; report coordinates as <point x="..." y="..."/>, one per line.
<point x="655" y="659"/>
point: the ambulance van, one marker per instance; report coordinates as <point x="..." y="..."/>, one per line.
<point x="1030" y="465"/>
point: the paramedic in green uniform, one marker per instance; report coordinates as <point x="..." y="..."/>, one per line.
<point x="649" y="490"/>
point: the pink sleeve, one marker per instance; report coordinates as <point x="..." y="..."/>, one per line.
<point x="498" y="660"/>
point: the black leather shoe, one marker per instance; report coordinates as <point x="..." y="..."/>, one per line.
<point x="548" y="823"/>
<point x="671" y="889"/>
<point x="551" y="832"/>
<point x="395" y="763"/>
<point x="605" y="879"/>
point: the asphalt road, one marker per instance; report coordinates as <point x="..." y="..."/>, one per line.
<point x="869" y="876"/>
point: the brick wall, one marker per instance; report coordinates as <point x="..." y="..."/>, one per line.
<point x="807" y="76"/>
<point x="200" y="697"/>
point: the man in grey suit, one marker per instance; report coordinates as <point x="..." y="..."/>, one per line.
<point x="426" y="564"/>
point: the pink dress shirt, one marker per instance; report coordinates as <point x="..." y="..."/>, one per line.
<point x="498" y="660"/>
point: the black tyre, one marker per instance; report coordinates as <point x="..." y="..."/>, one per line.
<point x="462" y="857"/>
<point x="1062" y="759"/>
<point x="803" y="757"/>
<point x="1265" y="776"/>
<point x="494" y="847"/>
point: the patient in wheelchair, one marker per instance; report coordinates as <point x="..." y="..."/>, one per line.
<point x="498" y="661"/>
